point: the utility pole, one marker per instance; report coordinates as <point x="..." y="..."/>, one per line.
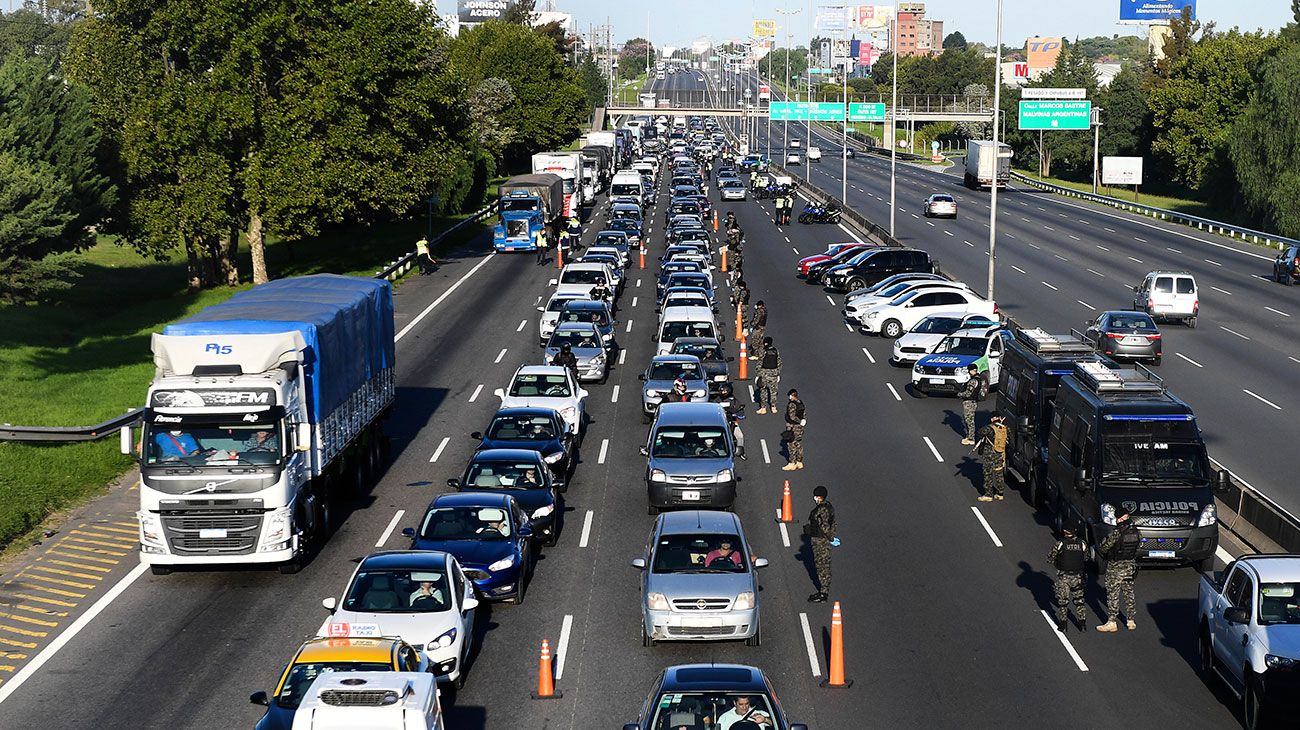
<point x="1096" y="147"/>
<point x="844" y="140"/>
<point x="785" y="125"/>
<point x="893" y="131"/>
<point x="997" y="159"/>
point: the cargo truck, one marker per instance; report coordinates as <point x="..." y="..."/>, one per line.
<point x="529" y="207"/>
<point x="568" y="165"/>
<point x="265" y="414"/>
<point x="600" y="163"/>
<point x="984" y="169"/>
<point x="647" y="100"/>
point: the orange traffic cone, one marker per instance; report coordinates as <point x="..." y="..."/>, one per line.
<point x="787" y="507"/>
<point x="724" y="259"/>
<point x="715" y="224"/>
<point x="835" y="671"/>
<point x="740" y="332"/>
<point x="545" y="679"/>
<point x="744" y="361"/>
<point x="559" y="257"/>
<point x="643" y="256"/>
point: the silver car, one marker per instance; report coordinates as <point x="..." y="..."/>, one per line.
<point x="584" y="339"/>
<point x="698" y="581"/>
<point x="940" y="204"/>
<point x="551" y="314"/>
<point x="658" y="381"/>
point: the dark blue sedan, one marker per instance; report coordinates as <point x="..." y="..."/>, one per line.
<point x="524" y="476"/>
<point x="534" y="429"/>
<point x="488" y="533"/>
<point x="686" y="694"/>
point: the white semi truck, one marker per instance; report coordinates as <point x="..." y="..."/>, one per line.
<point x="986" y="167"/>
<point x="569" y="167"/>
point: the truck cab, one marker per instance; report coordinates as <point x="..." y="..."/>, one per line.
<point x="1119" y="438"/>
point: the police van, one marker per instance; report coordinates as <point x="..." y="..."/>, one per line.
<point x="1119" y="438"/>
<point x="1033" y="364"/>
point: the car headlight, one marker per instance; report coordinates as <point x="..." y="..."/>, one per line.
<point x="1209" y="516"/>
<point x="917" y="368"/>
<point x="1108" y="513"/>
<point x="569" y="413"/>
<point x="658" y="475"/>
<point x="502" y="564"/>
<point x="278" y="522"/>
<point x="1273" y="661"/>
<point x="656" y="601"/>
<point x="744" y="601"/>
<point x="444" y="641"/>
<point x="543" y="511"/>
<point x="599" y="359"/>
<point x="872" y="315"/>
<point x="719" y="378"/>
<point x="151" y="530"/>
<point x="553" y="458"/>
<point x="724" y="475"/>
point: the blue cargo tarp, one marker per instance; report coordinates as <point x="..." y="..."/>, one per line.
<point x="346" y="321"/>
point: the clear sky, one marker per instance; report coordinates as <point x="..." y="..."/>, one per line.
<point x="678" y="22"/>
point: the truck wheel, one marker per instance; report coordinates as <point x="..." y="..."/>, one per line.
<point x="1206" y="652"/>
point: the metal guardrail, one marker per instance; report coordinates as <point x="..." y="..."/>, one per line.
<point x="1250" y="235"/>
<point x="55" y="434"/>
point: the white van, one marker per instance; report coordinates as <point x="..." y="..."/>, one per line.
<point x="627" y="182"/>
<point x="677" y="322"/>
<point x="370" y="701"/>
<point x="1168" y="295"/>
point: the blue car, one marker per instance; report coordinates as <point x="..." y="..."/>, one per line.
<point x="488" y="533"/>
<point x="524" y="476"/>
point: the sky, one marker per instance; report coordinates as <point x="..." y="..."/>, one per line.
<point x="679" y="22"/>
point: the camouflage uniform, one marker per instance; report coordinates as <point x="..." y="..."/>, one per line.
<point x="768" y="380"/>
<point x="757" y="331"/>
<point x="1067" y="555"/>
<point x="794" y="416"/>
<point x="1120" y="572"/>
<point x="969" y="394"/>
<point x="821" y="530"/>
<point x="993" y="454"/>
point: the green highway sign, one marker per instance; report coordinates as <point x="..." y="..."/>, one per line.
<point x="866" y="112"/>
<point x="850" y="130"/>
<point x="823" y="71"/>
<point x="1055" y="114"/>
<point x="803" y="111"/>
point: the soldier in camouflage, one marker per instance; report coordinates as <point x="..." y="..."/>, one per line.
<point x="992" y="448"/>
<point x="794" y="422"/>
<point x="1068" y="556"/>
<point x="821" y="535"/>
<point x="768" y="377"/>
<point x="969" y="393"/>
<point x="757" y="329"/>
<point x="1120" y="549"/>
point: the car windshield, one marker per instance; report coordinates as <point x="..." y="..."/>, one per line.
<point x="581" y="276"/>
<point x="625" y="189"/>
<point x="1135" y="322"/>
<point x="674" y="370"/>
<point x="633" y="215"/>
<point x="941" y="198"/>
<point x="962" y="346"/>
<point x="608" y="240"/>
<point x="1153" y="453"/>
<point x="696" y="553"/>
<point x="397" y="591"/>
<point x="603" y="258"/>
<point x="696" y="280"/>
<point x="302" y="675"/>
<point x="529" y="427"/>
<point x="703" y="350"/>
<point x="1278" y="603"/>
<point x="686" y="300"/>
<point x="672" y="330"/>
<point x="732" y="183"/>
<point x="557" y="304"/>
<point x="216" y="444"/>
<point x="689" y="442"/>
<point x="576" y="338"/>
<point x="546" y="386"/>
<point x="893" y="289"/>
<point x="624" y="224"/>
<point x="938" y="325"/>
<point x="596" y="316"/>
<point x="687" y="709"/>
<point x="466" y="523"/>
<point x="495" y="474"/>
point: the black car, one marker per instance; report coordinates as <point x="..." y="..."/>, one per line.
<point x="523" y="475"/>
<point x="1286" y="267"/>
<point x="869" y="267"/>
<point x="686" y="694"/>
<point x="711" y="355"/>
<point x="1125" y="335"/>
<point x="628" y="226"/>
<point x="534" y="429"/>
<point x="817" y="270"/>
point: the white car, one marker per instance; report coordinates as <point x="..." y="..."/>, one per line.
<point x="621" y="255"/>
<point x="940" y="204"/>
<point x="421" y="596"/>
<point x="814" y="154"/>
<point x="547" y="386"/>
<point x="856" y="310"/>
<point x="580" y="277"/>
<point x="929" y="332"/>
<point x="795" y="144"/>
<point x="793" y="159"/>
<point x="731" y="189"/>
<point x="948" y="367"/>
<point x="551" y="313"/>
<point x="899" y="315"/>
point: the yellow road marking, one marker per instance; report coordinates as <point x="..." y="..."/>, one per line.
<point x="55" y="591"/>
<point x="11" y="655"/>
<point x="109" y="561"/>
<point x="7" y="668"/>
<point x="132" y="533"/>
<point x="98" y="551"/>
<point x="109" y="540"/>
<point x="126" y="524"/>
<point x="24" y="632"/>
<point x="42" y="611"/>
<point x="28" y="619"/>
<point x="80" y="566"/>
<point x="40" y="599"/>
<point x="56" y="571"/>
<point x="74" y="574"/>
<point x="23" y="644"/>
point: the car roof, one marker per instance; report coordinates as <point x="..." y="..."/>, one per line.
<point x="983" y="331"/>
<point x="405" y="559"/>
<point x="339" y="649"/>
<point x="697" y="521"/>
<point x="584" y="304"/>
<point x="1169" y="272"/>
<point x="524" y="411"/>
<point x="1274" y="568"/>
<point x="542" y="370"/>
<point x="714" y="677"/>
<point x="687" y="313"/>
<point x="506" y="455"/>
<point x="583" y="327"/>
<point x="697" y="341"/>
<point x="690" y="414"/>
<point x="611" y="232"/>
<point x="470" y="499"/>
<point x="675" y="357"/>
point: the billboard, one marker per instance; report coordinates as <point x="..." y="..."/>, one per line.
<point x="1042" y="52"/>
<point x="1121" y="171"/>
<point x="1153" y="11"/>
<point x="764" y="29"/>
<point x="480" y="11"/>
<point x="1051" y="114"/>
<point x="868" y="54"/>
<point x="700" y="47"/>
<point x="831" y="18"/>
<point x="870" y="17"/>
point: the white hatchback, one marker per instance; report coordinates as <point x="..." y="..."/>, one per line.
<point x="899" y="315"/>
<point x="547" y="386"/>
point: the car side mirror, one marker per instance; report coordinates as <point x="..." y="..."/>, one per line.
<point x="582" y="393"/>
<point x="260" y="698"/>
<point x="500" y="393"/>
<point x="541" y="309"/>
<point x="1081" y="480"/>
<point x="1236" y="615"/>
<point x="454" y="483"/>
<point x="760" y="562"/>
<point x="640" y="376"/>
<point x="409" y="532"/>
<point x="525" y="531"/>
<point x="638" y="563"/>
<point x="476" y="435"/>
<point x="470" y="604"/>
<point x="644" y="451"/>
<point x="331" y="604"/>
<point x="1223" y="481"/>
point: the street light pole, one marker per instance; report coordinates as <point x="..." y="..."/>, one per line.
<point x="1096" y="146"/>
<point x="893" y="131"/>
<point x="997" y="159"/>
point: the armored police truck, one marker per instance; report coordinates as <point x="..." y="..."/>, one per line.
<point x="1032" y="367"/>
<point x="1119" y="439"/>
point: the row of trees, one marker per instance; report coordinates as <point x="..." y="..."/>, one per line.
<point x="189" y="126"/>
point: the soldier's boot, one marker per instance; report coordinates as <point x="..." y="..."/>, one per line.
<point x="817" y="598"/>
<point x="790" y="467"/>
<point x="1109" y="627"/>
<point x="968" y="442"/>
<point x="1060" y="625"/>
<point x="761" y="411"/>
<point x="799" y="465"/>
<point x="1081" y="623"/>
<point x="984" y="498"/>
<point x="1132" y="625"/>
<point x="999" y="497"/>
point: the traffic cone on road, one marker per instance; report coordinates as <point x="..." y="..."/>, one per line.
<point x="740" y="332"/>
<point x="715" y="224"/>
<point x="744" y="361"/>
<point x="724" y="259"/>
<point x="559" y="257"/>
<point x="643" y="256"/>
<point x="545" y="679"/>
<point x="787" y="507"/>
<point x="835" y="669"/>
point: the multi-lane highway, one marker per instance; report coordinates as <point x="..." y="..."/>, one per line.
<point x="943" y="598"/>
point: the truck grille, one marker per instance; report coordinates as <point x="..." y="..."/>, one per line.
<point x="937" y="370"/>
<point x="701" y="604"/>
<point x="185" y="533"/>
<point x="1163" y="543"/>
<point x="359" y="697"/>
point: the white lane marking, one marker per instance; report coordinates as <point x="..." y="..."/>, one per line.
<point x="752" y="399"/>
<point x="1086" y="223"/>
<point x="586" y="530"/>
<point x="474" y="396"/>
<point x="1065" y="642"/>
<point x="1103" y="248"/>
<point x="1188" y="359"/>
<point x="1012" y="235"/>
<point x="1059" y="256"/>
<point x="1211" y="261"/>
<point x="848" y="326"/>
<point x="918" y="217"/>
<point x="987" y="528"/>
<point x="622" y="355"/>
<point x="1035" y="246"/>
<point x="832" y="301"/>
<point x="1075" y="237"/>
<point x="629" y="325"/>
<point x="1025" y="219"/>
<point x="521" y="326"/>
<point x="851" y="233"/>
<point x="1233" y="332"/>
<point x="933" y="450"/>
<point x="1041" y="208"/>
<point x="1171" y="248"/>
<point x="562" y="648"/>
<point x="613" y="396"/>
<point x="1104" y="228"/>
<point x="1017" y="268"/>
<point x="785" y="534"/>
<point x="1140" y="240"/>
<point x="1049" y="228"/>
<point x="388" y="531"/>
<point x="604" y="448"/>
<point x="894" y="392"/>
<point x="425" y="312"/>
<point x="1221" y="291"/>
<point x="500" y="355"/>
<point x="949" y="233"/>
<point x="1262" y="399"/>
<point x="767" y="459"/>
<point x="930" y="223"/>
<point x="796" y="251"/>
<point x="82" y="622"/>
<point x="638" y="283"/>
<point x="808" y="644"/>
<point x="1223" y="555"/>
<point x="1292" y="359"/>
<point x="968" y="243"/>
<point x="787" y="240"/>
<point x="438" y="451"/>
<point x="1049" y="286"/>
<point x="634" y="301"/>
<point x="1130" y="258"/>
<point x="1277" y="311"/>
<point x="1098" y="273"/>
<point x="1089" y="306"/>
<point x="867" y="352"/>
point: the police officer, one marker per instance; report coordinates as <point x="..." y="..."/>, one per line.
<point x="795" y="421"/>
<point x="1068" y="557"/>
<point x="1120" y="549"/>
<point x="740" y="293"/>
<point x="757" y="329"/>
<point x="566" y="358"/>
<point x="969" y="393"/>
<point x="423" y="258"/>
<point x="993" y="454"/>
<point x="769" y="375"/>
<point x="600" y="292"/>
<point x="821" y="535"/>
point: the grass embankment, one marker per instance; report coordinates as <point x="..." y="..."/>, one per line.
<point x="626" y="91"/>
<point x="1182" y="205"/>
<point x="85" y="358"/>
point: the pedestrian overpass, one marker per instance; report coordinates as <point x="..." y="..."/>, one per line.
<point x="905" y="115"/>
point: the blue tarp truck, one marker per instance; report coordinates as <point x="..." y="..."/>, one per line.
<point x="530" y="207"/>
<point x="265" y="412"/>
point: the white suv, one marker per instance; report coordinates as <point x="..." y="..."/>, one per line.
<point x="1168" y="295"/>
<point x="899" y="315"/>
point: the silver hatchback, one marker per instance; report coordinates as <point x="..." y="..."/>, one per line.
<point x="698" y="580"/>
<point x="585" y="341"/>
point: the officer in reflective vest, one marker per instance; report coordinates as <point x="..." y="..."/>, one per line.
<point x="1068" y="556"/>
<point x="1120" y="549"/>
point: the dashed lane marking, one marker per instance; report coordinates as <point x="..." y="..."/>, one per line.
<point x="1277" y="311"/>
<point x="1221" y="291"/>
<point x="438" y="451"/>
<point x="987" y="528"/>
<point x="474" y="396"/>
<point x="622" y="355"/>
<point x="1233" y="332"/>
<point x="808" y="644"/>
<point x="1017" y="268"/>
<point x="500" y="355"/>
<point x="1075" y="237"/>
<point x="1103" y="248"/>
<point x="1262" y="399"/>
<point x="634" y="301"/>
<point x="613" y="395"/>
<point x="1188" y="359"/>
<point x="867" y="352"/>
<point x="1212" y="261"/>
<point x="1139" y="240"/>
<point x="832" y="301"/>
<point x="1065" y="642"/>
<point x="1171" y="248"/>
<point x="604" y="449"/>
<point x="1049" y="286"/>
<point x="767" y="458"/>
<point x="1089" y="306"/>
<point x="562" y="648"/>
<point x="586" y="530"/>
<point x="521" y="326"/>
<point x="629" y="325"/>
<point x="1098" y="273"/>
<point x="785" y="534"/>
<point x="1130" y="258"/>
<point x="933" y="450"/>
<point x="388" y="531"/>
<point x="893" y="392"/>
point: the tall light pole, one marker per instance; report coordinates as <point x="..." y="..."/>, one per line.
<point x="893" y="128"/>
<point x="997" y="159"/>
<point x="785" y="128"/>
<point x="844" y="140"/>
<point x="1096" y="147"/>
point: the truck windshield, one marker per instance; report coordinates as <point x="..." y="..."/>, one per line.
<point x="696" y="553"/>
<point x="625" y="189"/>
<point x="1153" y="453"/>
<point x="218" y="445"/>
<point x="1278" y="603"/>
<point x="509" y="205"/>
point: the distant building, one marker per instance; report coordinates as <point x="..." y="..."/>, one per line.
<point x="917" y="35"/>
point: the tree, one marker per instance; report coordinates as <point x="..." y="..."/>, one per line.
<point x="594" y="81"/>
<point x="635" y="58"/>
<point x="955" y="40"/>
<point x="519" y="12"/>
<point x="1263" y="145"/>
<point x="796" y="58"/>
<point x="1072" y="150"/>
<point x="1291" y="31"/>
<point x="1126" y="116"/>
<point x="863" y="88"/>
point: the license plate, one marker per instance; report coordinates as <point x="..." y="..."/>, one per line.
<point x="1161" y="553"/>
<point x="699" y="622"/>
<point x="937" y="381"/>
<point x="690" y="496"/>
<point x="212" y="533"/>
<point x="1135" y="340"/>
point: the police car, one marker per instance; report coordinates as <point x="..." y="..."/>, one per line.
<point x="945" y="370"/>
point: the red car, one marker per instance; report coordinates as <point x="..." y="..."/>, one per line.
<point x="832" y="250"/>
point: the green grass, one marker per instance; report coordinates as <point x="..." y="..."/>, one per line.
<point x="625" y="94"/>
<point x="1182" y="205"/>
<point x="85" y="358"/>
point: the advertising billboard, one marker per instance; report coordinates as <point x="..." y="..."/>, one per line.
<point x="1042" y="52"/>
<point x="870" y="17"/>
<point x="831" y="18"/>
<point x="481" y="11"/>
<point x="764" y="29"/>
<point x="1153" y="11"/>
<point x="1121" y="171"/>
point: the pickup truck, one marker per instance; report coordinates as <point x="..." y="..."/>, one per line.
<point x="1249" y="635"/>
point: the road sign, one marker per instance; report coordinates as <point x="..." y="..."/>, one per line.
<point x="1049" y="93"/>
<point x="866" y="112"/>
<point x="823" y="71"/>
<point x="1020" y="70"/>
<point x="1050" y="114"/>
<point x="1121" y="171"/>
<point x="804" y="111"/>
<point x="764" y="29"/>
<point x="713" y="59"/>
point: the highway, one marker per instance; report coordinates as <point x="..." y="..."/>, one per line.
<point x="944" y="600"/>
